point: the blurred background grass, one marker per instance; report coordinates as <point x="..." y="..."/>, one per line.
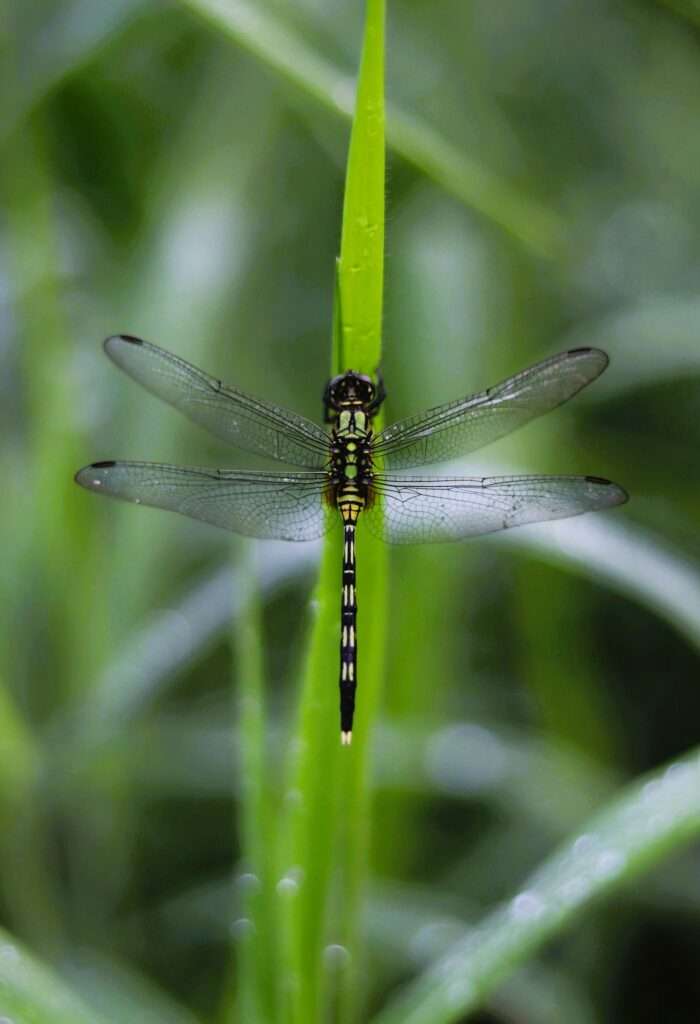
<point x="180" y="177"/>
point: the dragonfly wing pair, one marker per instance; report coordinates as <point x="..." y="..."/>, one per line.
<point x="293" y="506"/>
<point x="350" y="473"/>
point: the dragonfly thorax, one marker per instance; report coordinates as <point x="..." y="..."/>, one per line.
<point x="351" y="401"/>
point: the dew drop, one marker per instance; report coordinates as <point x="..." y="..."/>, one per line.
<point x="526" y="906"/>
<point x="8" y="953"/>
<point x="431" y="939"/>
<point x="336" y="957"/>
<point x="459" y="992"/>
<point x="609" y="863"/>
<point x="293" y="798"/>
<point x="450" y="965"/>
<point x="656" y="823"/>
<point x="585" y="843"/>
<point x="573" y="891"/>
<point x="679" y="774"/>
<point x="651" y="790"/>
<point x="242" y="928"/>
<point x="289" y="883"/>
<point x="249" y="882"/>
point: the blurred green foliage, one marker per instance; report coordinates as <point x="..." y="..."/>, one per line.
<point x="175" y="170"/>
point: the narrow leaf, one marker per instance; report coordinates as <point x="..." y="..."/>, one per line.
<point x="654" y="816"/>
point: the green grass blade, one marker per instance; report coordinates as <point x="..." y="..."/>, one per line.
<point x="277" y="46"/>
<point x="316" y="815"/>
<point x="625" y="557"/>
<point x="307" y="836"/>
<point x="361" y="290"/>
<point x="119" y="992"/>
<point x="652" y="818"/>
<point x="29" y="992"/>
<point x="310" y="803"/>
<point x="256" y="998"/>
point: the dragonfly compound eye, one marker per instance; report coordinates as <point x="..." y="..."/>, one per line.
<point x="351" y="387"/>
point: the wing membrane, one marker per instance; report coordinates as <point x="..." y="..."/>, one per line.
<point x="240" y="419"/>
<point x="267" y="505"/>
<point x="417" y="510"/>
<point x="467" y="424"/>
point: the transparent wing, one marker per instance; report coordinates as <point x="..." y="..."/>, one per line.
<point x="269" y="505"/>
<point x="247" y="422"/>
<point x="416" y="510"/>
<point x="470" y="423"/>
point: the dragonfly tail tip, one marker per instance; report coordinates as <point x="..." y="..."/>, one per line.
<point x="346" y="738"/>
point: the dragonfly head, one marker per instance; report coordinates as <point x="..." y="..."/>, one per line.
<point x="349" y="389"/>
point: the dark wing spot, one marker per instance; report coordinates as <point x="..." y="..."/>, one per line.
<point x="131" y="338"/>
<point x="577" y="351"/>
<point x="102" y="465"/>
<point x="599" y="480"/>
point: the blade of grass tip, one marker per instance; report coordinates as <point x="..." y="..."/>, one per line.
<point x="255" y="999"/>
<point x="361" y="289"/>
<point x="361" y="264"/>
<point x="652" y="818"/>
<point x="276" y="45"/>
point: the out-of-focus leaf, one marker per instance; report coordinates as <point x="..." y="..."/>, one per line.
<point x="31" y="994"/>
<point x="654" y="816"/>
<point x="68" y="38"/>
<point x="649" y="344"/>
<point x="276" y="45"/>
<point x="628" y="558"/>
<point x="119" y="993"/>
<point x="176" y="636"/>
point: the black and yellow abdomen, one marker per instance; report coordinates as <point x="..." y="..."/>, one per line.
<point x="352" y="475"/>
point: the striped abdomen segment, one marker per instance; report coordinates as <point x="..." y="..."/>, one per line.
<point x="348" y="636"/>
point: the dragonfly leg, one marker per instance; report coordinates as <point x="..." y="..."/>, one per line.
<point x="380" y="393"/>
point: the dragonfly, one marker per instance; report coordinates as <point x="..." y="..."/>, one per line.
<point x="345" y="471"/>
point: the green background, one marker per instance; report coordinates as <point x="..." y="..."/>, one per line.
<point x="176" y="171"/>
